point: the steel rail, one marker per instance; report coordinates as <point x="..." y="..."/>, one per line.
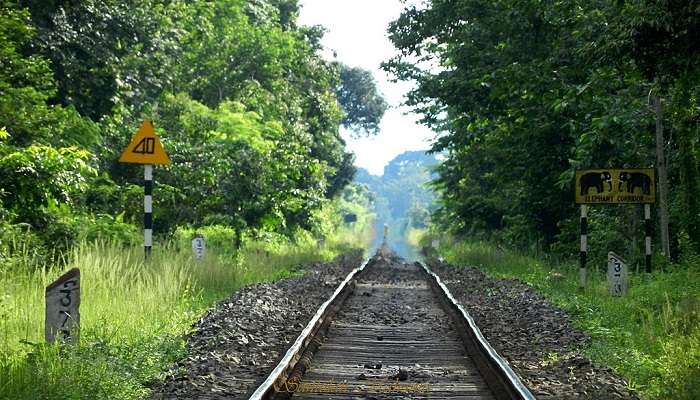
<point x="507" y="377"/>
<point x="271" y="385"/>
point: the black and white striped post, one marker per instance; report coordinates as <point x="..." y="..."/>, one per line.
<point x="148" y="209"/>
<point x="647" y="233"/>
<point x="583" y="271"/>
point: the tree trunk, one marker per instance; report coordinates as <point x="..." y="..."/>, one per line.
<point x="689" y="184"/>
<point x="663" y="178"/>
<point x="689" y="187"/>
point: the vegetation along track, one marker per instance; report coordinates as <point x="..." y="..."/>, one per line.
<point x="391" y="330"/>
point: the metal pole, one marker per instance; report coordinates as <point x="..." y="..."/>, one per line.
<point x="584" y="246"/>
<point x="148" y="209"/>
<point x="647" y="239"/>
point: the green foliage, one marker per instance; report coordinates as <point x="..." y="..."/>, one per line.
<point x="21" y="247"/>
<point x="651" y="337"/>
<point x="108" y="52"/>
<point x="217" y="236"/>
<point x="38" y="176"/>
<point x="331" y="228"/>
<point x="243" y="102"/>
<point x="40" y="184"/>
<point x="363" y="106"/>
<point x="527" y="92"/>
<point x="242" y="54"/>
<point x="106" y="228"/>
<point x="232" y="166"/>
<point x="26" y="84"/>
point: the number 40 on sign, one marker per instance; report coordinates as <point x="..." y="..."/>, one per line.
<point x="145" y="148"/>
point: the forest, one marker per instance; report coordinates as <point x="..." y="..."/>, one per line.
<point x="526" y="93"/>
<point x="247" y="110"/>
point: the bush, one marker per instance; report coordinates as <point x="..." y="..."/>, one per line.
<point x="102" y="227"/>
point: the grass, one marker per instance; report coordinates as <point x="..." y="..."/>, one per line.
<point x="133" y="313"/>
<point x="651" y="337"/>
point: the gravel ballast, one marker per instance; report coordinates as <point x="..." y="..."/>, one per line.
<point x="534" y="336"/>
<point x="392" y="332"/>
<point x="237" y="343"/>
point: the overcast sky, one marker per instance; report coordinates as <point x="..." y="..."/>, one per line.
<point x="357" y="35"/>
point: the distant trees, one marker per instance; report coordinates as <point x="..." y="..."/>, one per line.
<point x="403" y="199"/>
<point x="528" y="92"/>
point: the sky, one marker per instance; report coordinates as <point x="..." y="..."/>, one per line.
<point x="356" y="33"/>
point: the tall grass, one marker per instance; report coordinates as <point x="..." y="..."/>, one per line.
<point x="133" y="312"/>
<point x="652" y="336"/>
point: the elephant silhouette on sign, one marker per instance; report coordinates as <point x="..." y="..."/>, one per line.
<point x="635" y="180"/>
<point x="595" y="180"/>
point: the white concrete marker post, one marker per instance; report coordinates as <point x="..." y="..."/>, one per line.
<point x="199" y="247"/>
<point x="63" y="308"/>
<point x="618" y="276"/>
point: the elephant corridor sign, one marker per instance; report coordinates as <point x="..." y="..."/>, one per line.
<point x="615" y="186"/>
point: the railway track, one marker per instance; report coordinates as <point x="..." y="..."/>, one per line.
<point x="391" y="330"/>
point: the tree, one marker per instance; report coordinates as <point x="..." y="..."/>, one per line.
<point x="105" y="52"/>
<point x="271" y="66"/>
<point x="364" y="107"/>
<point x="27" y="85"/>
<point x="661" y="38"/>
<point x="245" y="105"/>
<point x="44" y="165"/>
<point x="522" y="99"/>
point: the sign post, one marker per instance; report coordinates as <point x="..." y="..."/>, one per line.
<point x="145" y="148"/>
<point x="62" y="320"/>
<point x="647" y="238"/>
<point x="583" y="270"/>
<point x="615" y="186"/>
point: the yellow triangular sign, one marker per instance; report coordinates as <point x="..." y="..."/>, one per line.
<point x="145" y="147"/>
